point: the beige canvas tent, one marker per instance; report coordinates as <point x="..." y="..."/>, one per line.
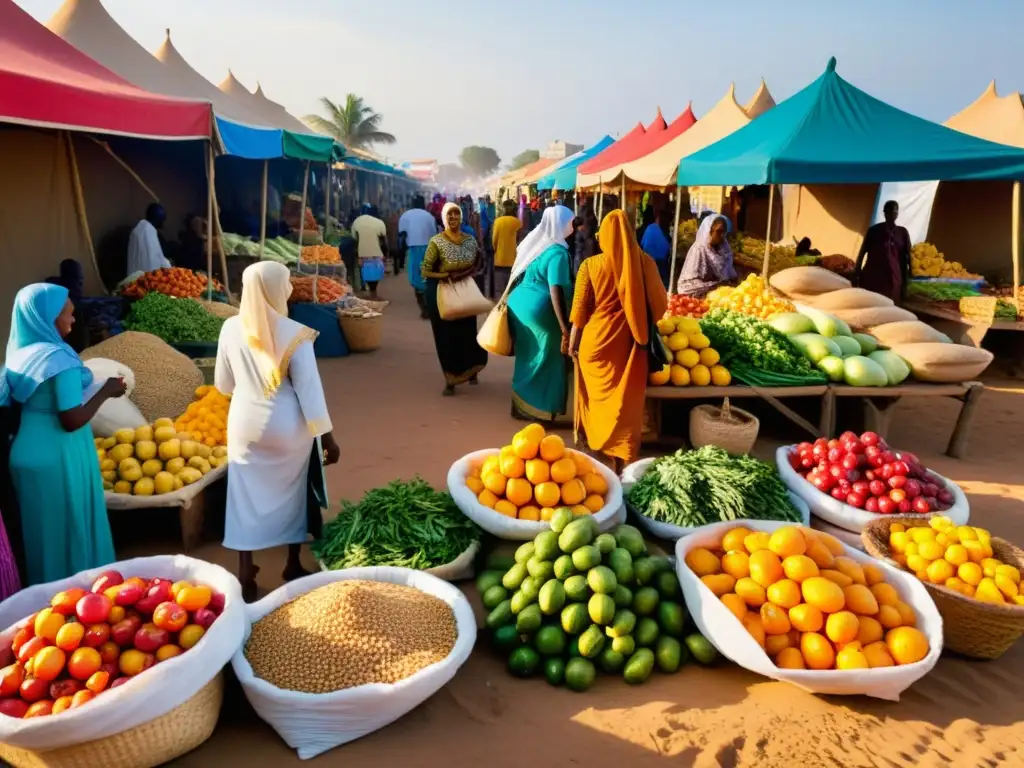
<point x="760" y="102"/>
<point x="970" y="220"/>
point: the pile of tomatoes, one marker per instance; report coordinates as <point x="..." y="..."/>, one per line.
<point x="88" y="642"/>
<point x="686" y="306"/>
<point x="864" y="472"/>
<point x="172" y="281"/>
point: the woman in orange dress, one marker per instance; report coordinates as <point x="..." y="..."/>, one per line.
<point x="618" y="294"/>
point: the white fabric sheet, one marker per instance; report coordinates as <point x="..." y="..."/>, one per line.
<point x="915" y="199"/>
<point x="269" y="443"/>
<point x="144" y="251"/>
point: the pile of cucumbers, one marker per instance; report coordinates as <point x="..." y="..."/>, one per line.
<point x="576" y="600"/>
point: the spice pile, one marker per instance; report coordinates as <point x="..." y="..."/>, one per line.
<point x="173" y="320"/>
<point x="693" y="488"/>
<point x="350" y="633"/>
<point x="320" y="254"/>
<point x="408" y="525"/>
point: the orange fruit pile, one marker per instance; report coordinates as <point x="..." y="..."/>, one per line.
<point x="957" y="557"/>
<point x="206" y="418"/>
<point x="807" y="604"/>
<point x="535" y="475"/>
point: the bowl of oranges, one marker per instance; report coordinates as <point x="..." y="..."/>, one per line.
<point x="513" y="492"/>
<point x="798" y="605"/>
<point x="973" y="577"/>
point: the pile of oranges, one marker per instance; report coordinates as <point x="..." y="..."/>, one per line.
<point x="806" y="604"/>
<point x="751" y="297"/>
<point x="206" y="418"/>
<point x="536" y="475"/>
<point x="957" y="557"/>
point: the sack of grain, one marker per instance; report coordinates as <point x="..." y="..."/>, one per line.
<point x="809" y="281"/>
<point x="218" y="308"/>
<point x="165" y="379"/>
<point x="907" y="332"/>
<point x="944" y="363"/>
<point x="872" y="316"/>
<point x="849" y="298"/>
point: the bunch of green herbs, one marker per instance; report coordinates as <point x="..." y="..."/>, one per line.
<point x="173" y="320"/>
<point x="757" y="354"/>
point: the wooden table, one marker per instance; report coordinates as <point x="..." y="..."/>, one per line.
<point x="877" y="402"/>
<point x="960" y="329"/>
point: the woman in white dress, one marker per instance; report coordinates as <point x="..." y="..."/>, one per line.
<point x="265" y="360"/>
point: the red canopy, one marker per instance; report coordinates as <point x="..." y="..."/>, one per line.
<point x="652" y="140"/>
<point x="45" y="81"/>
<point x="616" y="153"/>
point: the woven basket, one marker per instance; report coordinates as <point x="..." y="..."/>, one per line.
<point x="362" y="334"/>
<point x="970" y="627"/>
<point x="169" y="736"/>
<point x="731" y="429"/>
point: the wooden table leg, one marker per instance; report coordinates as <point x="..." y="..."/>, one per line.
<point x="192" y="517"/>
<point x="878" y="414"/>
<point x="827" y="424"/>
<point x="961" y="431"/>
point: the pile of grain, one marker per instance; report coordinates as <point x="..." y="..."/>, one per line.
<point x="218" y="308"/>
<point x="350" y="633"/>
<point x="165" y="379"/>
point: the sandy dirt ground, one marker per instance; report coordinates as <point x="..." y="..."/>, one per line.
<point x="393" y="423"/>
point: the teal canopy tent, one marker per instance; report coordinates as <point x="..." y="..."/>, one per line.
<point x="564" y="175"/>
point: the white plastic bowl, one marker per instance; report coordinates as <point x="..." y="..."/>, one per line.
<point x="611" y="514"/>
<point x="841" y="514"/>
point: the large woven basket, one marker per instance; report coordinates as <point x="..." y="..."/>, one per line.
<point x="170" y="736"/>
<point x="970" y="627"/>
<point x="731" y="429"/>
<point x="362" y="334"/>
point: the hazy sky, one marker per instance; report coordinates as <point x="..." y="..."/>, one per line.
<point x="515" y="75"/>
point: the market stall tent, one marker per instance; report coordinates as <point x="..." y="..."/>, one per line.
<point x="520" y="175"/>
<point x="564" y="175"/>
<point x="760" y="102"/>
<point x="623" y="150"/>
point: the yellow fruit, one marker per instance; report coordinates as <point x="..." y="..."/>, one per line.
<point x="573" y="492"/>
<point x="487" y="498"/>
<point x="129" y="470"/>
<point x="970" y="573"/>
<point x="930" y="550"/>
<point x="851" y="568"/>
<point x="719" y="583"/>
<point x="108" y="443"/>
<point x="687" y="325"/>
<point x="583" y="464"/>
<point x="475" y="484"/>
<point x="869" y="631"/>
<point x="122" y="486"/>
<point x="538" y="471"/>
<point x="529" y="513"/>
<point x="109" y="476"/>
<point x="490" y="465"/>
<point x="877" y="654"/>
<point x="817" y="651"/>
<point x="170" y="449"/>
<point x="505" y="507"/>
<point x="512" y="466"/>
<point x="709" y="357"/>
<point x="552" y="448"/>
<point x="836" y="577"/>
<point x="534" y="431"/>
<point x="579" y="510"/>
<point x="906" y="645"/>
<point x="860" y="600"/>
<point x="174" y="466"/>
<point x="506" y="450"/>
<point x="806" y="618"/>
<point x="736" y="564"/>
<point x="752" y="623"/>
<point x="774" y="619"/>
<point x="594" y="503"/>
<point x="755" y="541"/>
<point x="834" y="545"/>
<point x="989" y="565"/>
<point x="966" y="533"/>
<point x="125" y="436"/>
<point x="143" y="433"/>
<point x="163" y="434"/>
<point x="495" y="482"/>
<point x="518" y="490"/>
<point x="939" y="571"/>
<point x="687" y="357"/>
<point x="907" y="615"/>
<point x="563" y="470"/>
<point x="823" y="594"/>
<point x="163" y="483"/>
<point x="152" y="467"/>
<point x="776" y="644"/>
<point x="679" y="376"/>
<point x="221" y="453"/>
<point x="120" y="452"/>
<point x="145" y="450"/>
<point x="799" y="568"/>
<point x="525" y="446"/>
<point x="917" y="564"/>
<point x="1006" y="586"/>
<point x="677" y="341"/>
<point x="733" y="539"/>
<point x="666" y="326"/>
<point x="735" y="604"/>
<point x="700" y="376"/>
<point x="143" y="487"/>
<point x="956" y="554"/>
<point x="659" y="378"/>
<point x="720" y="376"/>
<point x="753" y="594"/>
<point x="594" y="482"/>
<point x="189" y="448"/>
<point x="1008" y="572"/>
<point x="703" y="562"/>
<point x="851" y="658"/>
<point x="898" y="541"/>
<point x="842" y="627"/>
<point x="787" y="541"/>
<point x="790" y="658"/>
<point x="765" y="567"/>
<point x="889" y="617"/>
<point x="216" y="461"/>
<point x="785" y="593"/>
<point x="698" y="341"/>
<point x="198" y="462"/>
<point x="547" y="494"/>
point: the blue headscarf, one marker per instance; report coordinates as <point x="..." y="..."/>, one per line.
<point x="35" y="350"/>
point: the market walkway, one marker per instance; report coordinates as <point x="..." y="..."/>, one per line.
<point x="393" y="423"/>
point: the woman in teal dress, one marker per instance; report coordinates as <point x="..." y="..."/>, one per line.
<point x="53" y="462"/>
<point x="538" y="301"/>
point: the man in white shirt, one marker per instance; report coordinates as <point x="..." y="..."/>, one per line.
<point x="370" y="234"/>
<point x="145" y="254"/>
<point x="415" y="228"/>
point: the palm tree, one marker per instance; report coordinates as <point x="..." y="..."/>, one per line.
<point x="353" y="124"/>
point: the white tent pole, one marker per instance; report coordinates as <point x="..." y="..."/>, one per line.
<point x="1016" y="238"/>
<point x="263" y="208"/>
<point x="622" y="202"/>
<point x="768" y="234"/>
<point x="675" y="242"/>
<point x="600" y="200"/>
<point x="209" y="221"/>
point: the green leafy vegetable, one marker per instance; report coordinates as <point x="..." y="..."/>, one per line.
<point x="940" y="291"/>
<point x="173" y="320"/>
<point x="409" y="525"/>
<point x="755" y="353"/>
<point x="692" y="488"/>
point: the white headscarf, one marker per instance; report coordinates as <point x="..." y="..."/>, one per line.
<point x="444" y="213"/>
<point x="555" y="226"/>
<point x="263" y="313"/>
